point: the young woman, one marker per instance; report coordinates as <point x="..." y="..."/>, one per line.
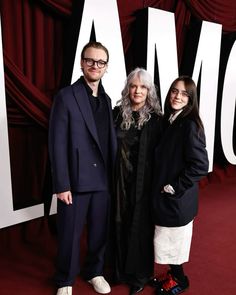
<point x="180" y="162"/>
<point x="138" y="125"/>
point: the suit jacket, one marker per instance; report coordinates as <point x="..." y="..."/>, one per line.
<point x="180" y="160"/>
<point x="77" y="161"/>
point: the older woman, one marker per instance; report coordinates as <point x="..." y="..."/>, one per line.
<point x="138" y="124"/>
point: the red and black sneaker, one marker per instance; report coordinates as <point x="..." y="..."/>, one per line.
<point x="158" y="281"/>
<point x="171" y="286"/>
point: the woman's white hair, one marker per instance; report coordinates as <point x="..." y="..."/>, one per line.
<point x="152" y="104"/>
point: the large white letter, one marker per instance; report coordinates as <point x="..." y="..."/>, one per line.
<point x="207" y="62"/>
<point x="162" y="39"/>
<point x="228" y="107"/>
<point x="104" y="15"/>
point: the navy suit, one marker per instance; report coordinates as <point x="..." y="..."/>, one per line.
<point x="78" y="165"/>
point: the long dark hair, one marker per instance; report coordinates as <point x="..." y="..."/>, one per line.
<point x="191" y="109"/>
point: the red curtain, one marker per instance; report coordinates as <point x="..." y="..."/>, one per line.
<point x="63" y="7"/>
<point x="221" y="12"/>
<point x="33" y="51"/>
<point x="128" y="10"/>
<point x="33" y="38"/>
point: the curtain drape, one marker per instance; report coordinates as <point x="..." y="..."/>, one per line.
<point x="63" y="7"/>
<point x="33" y="36"/>
<point x="221" y="12"/>
<point x="33" y="51"/>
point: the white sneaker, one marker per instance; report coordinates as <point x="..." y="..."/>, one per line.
<point x="100" y="285"/>
<point x="65" y="291"/>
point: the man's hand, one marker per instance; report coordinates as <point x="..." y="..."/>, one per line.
<point x="65" y="197"/>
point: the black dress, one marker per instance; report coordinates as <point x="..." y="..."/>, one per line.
<point x="133" y="223"/>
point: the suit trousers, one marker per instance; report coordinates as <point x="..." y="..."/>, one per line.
<point x="92" y="207"/>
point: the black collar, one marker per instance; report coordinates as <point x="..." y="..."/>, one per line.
<point x="101" y="90"/>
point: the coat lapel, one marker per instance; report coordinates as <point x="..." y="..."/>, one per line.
<point x="86" y="110"/>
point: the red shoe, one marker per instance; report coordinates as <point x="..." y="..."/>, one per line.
<point x="158" y="281"/>
<point x="171" y="286"/>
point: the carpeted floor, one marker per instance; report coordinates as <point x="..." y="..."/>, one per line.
<point x="27" y="265"/>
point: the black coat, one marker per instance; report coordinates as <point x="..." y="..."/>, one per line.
<point x="134" y="226"/>
<point x="180" y="160"/>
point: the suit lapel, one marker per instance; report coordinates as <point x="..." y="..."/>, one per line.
<point x="86" y="110"/>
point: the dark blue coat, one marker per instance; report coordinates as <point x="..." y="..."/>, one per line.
<point x="180" y="160"/>
<point x="75" y="152"/>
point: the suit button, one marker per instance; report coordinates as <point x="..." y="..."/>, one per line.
<point x="94" y="165"/>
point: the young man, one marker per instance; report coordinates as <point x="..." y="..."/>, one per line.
<point x="82" y="147"/>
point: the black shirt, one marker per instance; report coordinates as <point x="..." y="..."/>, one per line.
<point x="101" y="116"/>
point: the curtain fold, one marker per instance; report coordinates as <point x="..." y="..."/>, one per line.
<point x="60" y="6"/>
<point x="221" y="12"/>
<point x="33" y="36"/>
<point x="25" y="95"/>
<point x="33" y="57"/>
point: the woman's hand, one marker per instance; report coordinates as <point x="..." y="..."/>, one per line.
<point x="168" y="189"/>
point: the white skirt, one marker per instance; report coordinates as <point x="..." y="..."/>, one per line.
<point x="172" y="244"/>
